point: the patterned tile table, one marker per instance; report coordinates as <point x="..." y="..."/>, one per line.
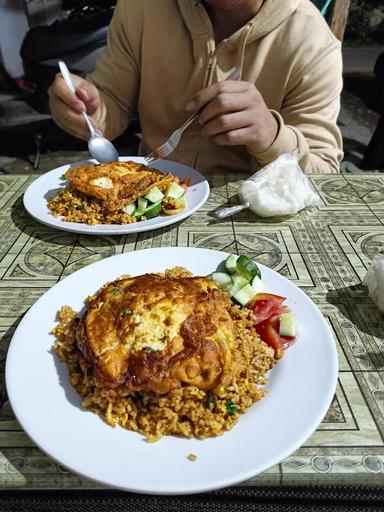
<point x="324" y="250"/>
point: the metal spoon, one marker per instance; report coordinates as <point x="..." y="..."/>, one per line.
<point x="225" y="212"/>
<point x="100" y="148"/>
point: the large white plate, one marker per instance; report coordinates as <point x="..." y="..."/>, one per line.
<point x="48" y="184"/>
<point x="300" y="389"/>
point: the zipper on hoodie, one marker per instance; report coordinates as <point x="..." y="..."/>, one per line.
<point x="210" y="70"/>
<point x="210" y="67"/>
<point x="211" y="47"/>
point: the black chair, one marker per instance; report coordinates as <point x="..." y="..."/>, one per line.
<point x="374" y="154"/>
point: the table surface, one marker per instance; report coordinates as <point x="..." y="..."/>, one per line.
<point x="324" y="250"/>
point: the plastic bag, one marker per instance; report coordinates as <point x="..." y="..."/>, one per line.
<point x="374" y="280"/>
<point x="280" y="188"/>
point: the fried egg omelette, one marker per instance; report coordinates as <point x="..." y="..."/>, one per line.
<point x="154" y="332"/>
<point x="116" y="183"/>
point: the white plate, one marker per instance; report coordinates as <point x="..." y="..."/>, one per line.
<point x="47" y="185"/>
<point x="300" y="390"/>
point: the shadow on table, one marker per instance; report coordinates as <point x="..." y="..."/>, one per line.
<point x="4" y="344"/>
<point x="27" y="224"/>
<point x="245" y="216"/>
<point x="349" y="301"/>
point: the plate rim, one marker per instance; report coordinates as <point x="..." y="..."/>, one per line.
<point x="112" y="229"/>
<point x="326" y="398"/>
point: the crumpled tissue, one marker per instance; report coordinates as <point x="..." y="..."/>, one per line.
<point x="374" y="280"/>
<point x="279" y="188"/>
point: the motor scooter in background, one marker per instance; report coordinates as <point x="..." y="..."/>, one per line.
<point x="78" y="38"/>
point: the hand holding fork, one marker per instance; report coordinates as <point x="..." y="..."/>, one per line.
<point x="170" y="144"/>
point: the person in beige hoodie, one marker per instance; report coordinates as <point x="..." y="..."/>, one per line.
<point x="166" y="58"/>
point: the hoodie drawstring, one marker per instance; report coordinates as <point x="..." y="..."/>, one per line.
<point x="241" y="48"/>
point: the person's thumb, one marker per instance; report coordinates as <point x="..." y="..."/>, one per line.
<point x="89" y="95"/>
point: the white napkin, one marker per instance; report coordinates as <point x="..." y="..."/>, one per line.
<point x="374" y="280"/>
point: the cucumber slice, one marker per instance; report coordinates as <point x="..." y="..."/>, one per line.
<point x="238" y="283"/>
<point x="154" y="195"/>
<point x="129" y="209"/>
<point x="152" y="211"/>
<point x="244" y="295"/>
<point x="258" y="285"/>
<point x="287" y="325"/>
<point x="141" y="205"/>
<point x="230" y="263"/>
<point x="222" y="280"/>
<point x="174" y="191"/>
<point x="247" y="268"/>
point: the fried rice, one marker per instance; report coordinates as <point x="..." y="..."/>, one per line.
<point x="74" y="206"/>
<point x="187" y="411"/>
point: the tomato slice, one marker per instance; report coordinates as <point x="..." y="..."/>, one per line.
<point x="268" y="332"/>
<point x="265" y="305"/>
<point x="267" y="309"/>
<point x="185" y="183"/>
<point x="288" y="340"/>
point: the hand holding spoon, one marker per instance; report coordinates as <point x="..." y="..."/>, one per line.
<point x="100" y="148"/>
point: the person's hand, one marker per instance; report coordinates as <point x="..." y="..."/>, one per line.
<point x="234" y="113"/>
<point x="66" y="107"/>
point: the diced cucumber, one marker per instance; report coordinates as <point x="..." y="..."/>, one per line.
<point x="152" y="210"/>
<point x="141" y="205"/>
<point x="239" y="280"/>
<point x="129" y="209"/>
<point x="244" y="295"/>
<point x="230" y="263"/>
<point x="154" y="195"/>
<point x="287" y="325"/>
<point x="258" y="285"/>
<point x="222" y="280"/>
<point x="174" y="191"/>
<point x="247" y="268"/>
<point x="238" y="283"/>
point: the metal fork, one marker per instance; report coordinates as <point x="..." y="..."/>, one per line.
<point x="170" y="144"/>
